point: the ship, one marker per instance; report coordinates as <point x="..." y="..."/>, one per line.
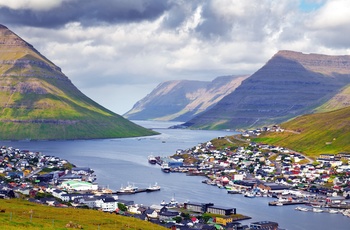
<point x="152" y="160"/>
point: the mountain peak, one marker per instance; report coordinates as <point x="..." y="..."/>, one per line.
<point x="37" y="101"/>
<point x="321" y="63"/>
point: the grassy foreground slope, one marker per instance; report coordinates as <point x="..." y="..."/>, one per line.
<point x="314" y="134"/>
<point x="37" y="101"/>
<point x="21" y="214"/>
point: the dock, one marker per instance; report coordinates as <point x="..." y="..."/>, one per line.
<point x="280" y="203"/>
<point x="135" y="191"/>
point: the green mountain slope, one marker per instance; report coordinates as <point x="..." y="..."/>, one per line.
<point x="340" y="100"/>
<point x="314" y="134"/>
<point x="37" y="101"/>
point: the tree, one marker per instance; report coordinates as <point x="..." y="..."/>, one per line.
<point x="122" y="207"/>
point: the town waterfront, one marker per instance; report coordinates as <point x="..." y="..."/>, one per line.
<point x="117" y="162"/>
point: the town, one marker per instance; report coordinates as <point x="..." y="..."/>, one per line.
<point x="248" y="169"/>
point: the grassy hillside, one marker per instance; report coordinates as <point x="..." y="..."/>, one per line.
<point x="37" y="101"/>
<point x="340" y="100"/>
<point x="315" y="133"/>
<point x="20" y="214"/>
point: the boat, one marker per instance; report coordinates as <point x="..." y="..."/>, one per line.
<point x="165" y="168"/>
<point x="301" y="209"/>
<point x="317" y="210"/>
<point x="333" y="211"/>
<point x="249" y="195"/>
<point x="279" y="204"/>
<point x="129" y="189"/>
<point x="154" y="187"/>
<point x="152" y="160"/>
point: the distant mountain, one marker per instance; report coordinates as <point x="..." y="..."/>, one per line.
<point x="313" y="134"/>
<point x="181" y="100"/>
<point x="288" y="85"/>
<point x="37" y="101"/>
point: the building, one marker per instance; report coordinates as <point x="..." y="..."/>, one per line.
<point x="209" y="208"/>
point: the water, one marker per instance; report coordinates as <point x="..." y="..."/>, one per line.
<point x="120" y="161"/>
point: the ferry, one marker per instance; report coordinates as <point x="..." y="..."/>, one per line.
<point x="152" y="160"/>
<point x="154" y="187"/>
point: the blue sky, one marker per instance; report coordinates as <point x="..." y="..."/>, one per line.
<point x="118" y="51"/>
<point x="311" y="5"/>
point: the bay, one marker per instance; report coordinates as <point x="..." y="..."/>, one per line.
<point x="117" y="162"/>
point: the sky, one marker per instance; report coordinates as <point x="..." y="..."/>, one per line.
<point x="118" y="51"/>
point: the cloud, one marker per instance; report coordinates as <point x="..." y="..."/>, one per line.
<point x="57" y="13"/>
<point x="119" y="46"/>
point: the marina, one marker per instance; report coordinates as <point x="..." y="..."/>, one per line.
<point x="117" y="161"/>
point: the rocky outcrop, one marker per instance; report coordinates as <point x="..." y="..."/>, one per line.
<point x="288" y="85"/>
<point x="184" y="99"/>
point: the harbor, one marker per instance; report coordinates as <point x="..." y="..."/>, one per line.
<point x="117" y="161"/>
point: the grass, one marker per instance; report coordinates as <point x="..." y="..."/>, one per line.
<point x="47" y="106"/>
<point x="314" y="134"/>
<point x="21" y="214"/>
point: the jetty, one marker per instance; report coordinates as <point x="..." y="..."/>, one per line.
<point x="281" y="203"/>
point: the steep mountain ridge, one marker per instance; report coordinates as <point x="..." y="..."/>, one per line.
<point x="289" y="84"/>
<point x="37" y="101"/>
<point x="183" y="99"/>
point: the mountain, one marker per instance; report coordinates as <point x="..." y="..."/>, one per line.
<point x="340" y="100"/>
<point x="37" y="101"/>
<point x="181" y="100"/>
<point x="313" y="134"/>
<point x="288" y="85"/>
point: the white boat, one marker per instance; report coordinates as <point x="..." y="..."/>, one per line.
<point x="279" y="204"/>
<point x="317" y="210"/>
<point x="165" y="167"/>
<point x="249" y="195"/>
<point x="129" y="189"/>
<point x="154" y="187"/>
<point x="333" y="211"/>
<point x="152" y="160"/>
<point x="301" y="209"/>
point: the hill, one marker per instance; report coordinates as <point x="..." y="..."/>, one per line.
<point x="288" y="85"/>
<point x="19" y="214"/>
<point x="340" y="100"/>
<point x="182" y="100"/>
<point x="314" y="134"/>
<point x="37" y="101"/>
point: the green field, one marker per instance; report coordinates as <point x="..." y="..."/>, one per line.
<point x="20" y="214"/>
<point x="314" y="134"/>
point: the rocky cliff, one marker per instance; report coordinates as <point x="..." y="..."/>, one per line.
<point x="182" y="100"/>
<point x="289" y="84"/>
<point x="37" y="101"/>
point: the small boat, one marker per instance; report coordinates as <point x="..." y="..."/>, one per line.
<point x="279" y="204"/>
<point x="165" y="168"/>
<point x="154" y="187"/>
<point x="333" y="211"/>
<point x="317" y="210"/>
<point x="152" y="160"/>
<point x="249" y="195"/>
<point x="301" y="209"/>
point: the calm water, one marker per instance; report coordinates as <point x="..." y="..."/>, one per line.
<point x="119" y="161"/>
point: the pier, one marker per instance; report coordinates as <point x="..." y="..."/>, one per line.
<point x="281" y="203"/>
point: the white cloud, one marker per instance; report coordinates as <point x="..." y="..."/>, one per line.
<point x="196" y="40"/>
<point x="40" y="5"/>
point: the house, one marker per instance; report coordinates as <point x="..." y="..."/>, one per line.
<point x="151" y="213"/>
<point x="109" y="204"/>
<point x="165" y="214"/>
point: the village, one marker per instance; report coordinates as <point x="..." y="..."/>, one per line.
<point x="254" y="170"/>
